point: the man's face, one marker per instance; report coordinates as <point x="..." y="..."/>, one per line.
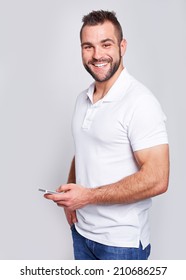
<point x="101" y="51"/>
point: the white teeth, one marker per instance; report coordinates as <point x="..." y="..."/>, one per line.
<point x="100" y="65"/>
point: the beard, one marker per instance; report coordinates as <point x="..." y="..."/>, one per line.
<point x="110" y="72"/>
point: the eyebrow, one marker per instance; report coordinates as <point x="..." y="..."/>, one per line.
<point x="102" y="41"/>
<point x="108" y="40"/>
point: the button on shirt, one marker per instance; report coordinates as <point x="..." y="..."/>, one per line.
<point x="106" y="133"/>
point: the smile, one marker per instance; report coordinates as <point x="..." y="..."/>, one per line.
<point x="99" y="65"/>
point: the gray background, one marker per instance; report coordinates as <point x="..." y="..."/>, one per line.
<point x="40" y="76"/>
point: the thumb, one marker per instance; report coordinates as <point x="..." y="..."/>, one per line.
<point x="64" y="188"/>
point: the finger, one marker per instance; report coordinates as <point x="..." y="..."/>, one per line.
<point x="68" y="216"/>
<point x="74" y="217"/>
<point x="70" y="220"/>
<point x="71" y="217"/>
<point x="48" y="196"/>
<point x="55" y="198"/>
<point x="64" y="188"/>
<point x="60" y="204"/>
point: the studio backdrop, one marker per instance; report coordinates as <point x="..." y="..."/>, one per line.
<point x="41" y="74"/>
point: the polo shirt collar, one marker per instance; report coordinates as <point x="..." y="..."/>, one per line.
<point x="116" y="92"/>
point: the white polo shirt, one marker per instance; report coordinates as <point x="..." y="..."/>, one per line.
<point x="127" y="119"/>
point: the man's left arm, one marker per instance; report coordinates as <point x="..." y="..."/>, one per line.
<point x="150" y="180"/>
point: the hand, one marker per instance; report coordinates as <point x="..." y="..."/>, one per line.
<point x="71" y="216"/>
<point x="71" y="196"/>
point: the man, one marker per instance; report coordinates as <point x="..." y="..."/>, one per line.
<point x="121" y="151"/>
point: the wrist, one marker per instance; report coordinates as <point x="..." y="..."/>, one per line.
<point x="91" y="194"/>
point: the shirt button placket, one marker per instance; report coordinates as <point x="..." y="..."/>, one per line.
<point x="89" y="117"/>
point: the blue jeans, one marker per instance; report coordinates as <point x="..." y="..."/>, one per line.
<point x="85" y="249"/>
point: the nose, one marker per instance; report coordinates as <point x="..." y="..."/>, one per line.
<point x="98" y="53"/>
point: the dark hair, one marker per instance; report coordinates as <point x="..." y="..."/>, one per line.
<point x="99" y="17"/>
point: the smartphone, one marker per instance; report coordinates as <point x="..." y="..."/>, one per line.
<point x="48" y="191"/>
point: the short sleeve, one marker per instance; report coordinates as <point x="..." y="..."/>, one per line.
<point x="147" y="124"/>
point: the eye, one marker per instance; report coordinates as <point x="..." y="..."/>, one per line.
<point x="106" y="45"/>
<point x="87" y="47"/>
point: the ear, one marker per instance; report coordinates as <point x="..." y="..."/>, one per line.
<point x="123" y="47"/>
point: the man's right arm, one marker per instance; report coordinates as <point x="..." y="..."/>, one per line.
<point x="71" y="215"/>
<point x="72" y="173"/>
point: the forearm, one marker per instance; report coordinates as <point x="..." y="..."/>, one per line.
<point x="139" y="186"/>
<point x="72" y="173"/>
